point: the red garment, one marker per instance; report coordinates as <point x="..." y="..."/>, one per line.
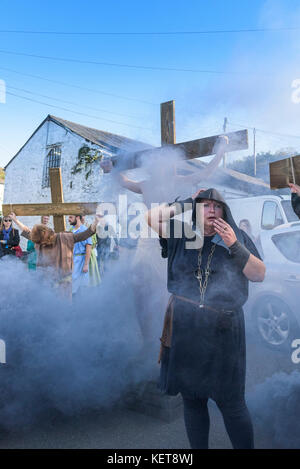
<point x="18" y="250"/>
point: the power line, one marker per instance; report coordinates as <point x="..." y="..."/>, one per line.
<point x="265" y="131"/>
<point x="76" y="112"/>
<point x="149" y="33"/>
<point x="129" y="66"/>
<point x="71" y="102"/>
<point x="78" y="87"/>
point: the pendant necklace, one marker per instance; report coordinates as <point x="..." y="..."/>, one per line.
<point x="203" y="282"/>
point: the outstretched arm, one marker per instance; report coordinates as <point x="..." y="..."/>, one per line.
<point x="202" y="174"/>
<point x="129" y="184"/>
<point x="22" y="227"/>
<point x="90" y="231"/>
<point x="132" y="186"/>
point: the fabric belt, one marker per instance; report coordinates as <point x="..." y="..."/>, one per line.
<point x="81" y="254"/>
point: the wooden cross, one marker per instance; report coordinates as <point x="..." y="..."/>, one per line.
<point x="200" y="147"/>
<point x="57" y="208"/>
<point x="191" y="149"/>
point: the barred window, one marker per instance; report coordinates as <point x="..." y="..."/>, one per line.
<point x="52" y="160"/>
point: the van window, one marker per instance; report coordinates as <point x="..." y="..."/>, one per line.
<point x="289" y="245"/>
<point x="271" y="215"/>
<point x="288" y="210"/>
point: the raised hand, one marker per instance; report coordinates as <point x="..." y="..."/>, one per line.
<point x="295" y="189"/>
<point x="197" y="193"/>
<point x="225" y="231"/>
<point x="13" y="216"/>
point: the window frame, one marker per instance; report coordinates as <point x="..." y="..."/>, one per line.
<point x="52" y="160"/>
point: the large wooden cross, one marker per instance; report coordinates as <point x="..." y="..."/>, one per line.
<point x="191" y="149"/>
<point x="57" y="208"/>
<point x="200" y="147"/>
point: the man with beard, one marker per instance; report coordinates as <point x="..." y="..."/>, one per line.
<point x="82" y="255"/>
<point x="203" y="352"/>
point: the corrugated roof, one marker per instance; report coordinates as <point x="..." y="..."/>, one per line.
<point x="102" y="138"/>
<point x="112" y="142"/>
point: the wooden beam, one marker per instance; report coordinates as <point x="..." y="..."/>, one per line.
<point x="57" y="196"/>
<point x="167" y="121"/>
<point x="200" y="147"/>
<point x="204" y="146"/>
<point x="58" y="209"/>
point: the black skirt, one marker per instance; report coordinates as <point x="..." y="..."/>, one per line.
<point x="204" y="360"/>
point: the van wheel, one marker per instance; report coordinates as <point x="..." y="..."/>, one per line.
<point x="275" y="323"/>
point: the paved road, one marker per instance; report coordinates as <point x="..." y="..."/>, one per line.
<point x="120" y="428"/>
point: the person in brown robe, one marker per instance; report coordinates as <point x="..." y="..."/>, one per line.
<point x="55" y="251"/>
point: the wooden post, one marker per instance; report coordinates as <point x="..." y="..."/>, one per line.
<point x="57" y="196"/>
<point x="167" y="120"/>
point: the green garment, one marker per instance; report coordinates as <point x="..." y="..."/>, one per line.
<point x="32" y="256"/>
<point x="95" y="278"/>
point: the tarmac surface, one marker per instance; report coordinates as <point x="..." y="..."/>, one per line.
<point x="123" y="428"/>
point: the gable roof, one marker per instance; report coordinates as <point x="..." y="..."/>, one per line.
<point x="100" y="137"/>
<point x="112" y="142"/>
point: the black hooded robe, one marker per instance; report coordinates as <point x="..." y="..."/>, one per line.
<point x="203" y="359"/>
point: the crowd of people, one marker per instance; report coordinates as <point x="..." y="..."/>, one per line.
<point x="78" y="258"/>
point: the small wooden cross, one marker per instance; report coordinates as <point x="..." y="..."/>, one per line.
<point x="57" y="208"/>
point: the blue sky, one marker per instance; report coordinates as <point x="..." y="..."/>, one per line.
<point x="254" y="88"/>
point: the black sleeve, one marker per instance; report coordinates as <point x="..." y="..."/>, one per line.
<point x="15" y="239"/>
<point x="296" y="204"/>
<point x="248" y="243"/>
<point x="83" y="235"/>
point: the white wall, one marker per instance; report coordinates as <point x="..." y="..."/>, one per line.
<point x="23" y="176"/>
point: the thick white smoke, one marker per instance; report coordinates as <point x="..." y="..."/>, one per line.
<point x="67" y="357"/>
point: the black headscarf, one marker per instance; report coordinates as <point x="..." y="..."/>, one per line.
<point x="213" y="194"/>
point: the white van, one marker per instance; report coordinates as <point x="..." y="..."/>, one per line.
<point x="264" y="212"/>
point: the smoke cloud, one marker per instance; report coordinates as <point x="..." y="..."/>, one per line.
<point x="68" y="357"/>
<point x="275" y="408"/>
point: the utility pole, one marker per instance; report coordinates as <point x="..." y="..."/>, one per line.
<point x="254" y="150"/>
<point x="224" y="130"/>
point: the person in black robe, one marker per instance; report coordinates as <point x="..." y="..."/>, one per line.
<point x="203" y="353"/>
